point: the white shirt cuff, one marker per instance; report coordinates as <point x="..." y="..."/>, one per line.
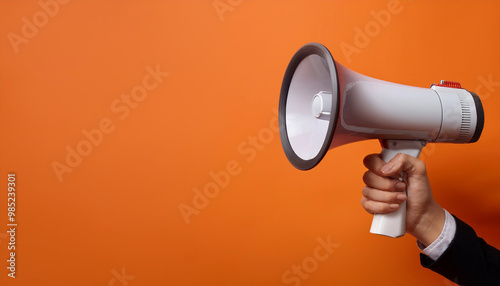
<point x="438" y="246"/>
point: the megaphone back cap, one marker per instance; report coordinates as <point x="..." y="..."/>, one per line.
<point x="480" y="118"/>
<point x="304" y="137"/>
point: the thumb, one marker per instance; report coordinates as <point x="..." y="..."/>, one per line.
<point x="406" y="163"/>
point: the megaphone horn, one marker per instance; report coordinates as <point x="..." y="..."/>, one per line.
<point x="324" y="105"/>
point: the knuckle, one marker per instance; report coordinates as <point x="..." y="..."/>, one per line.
<point x="363" y="201"/>
<point x="388" y="197"/>
<point x="367" y="159"/>
<point x="385" y="184"/>
<point x="394" y="197"/>
<point x="366" y="206"/>
<point x="384" y="208"/>
<point x="400" y="156"/>
<point x="366" y="176"/>
<point x="420" y="166"/>
<point x="365" y="191"/>
<point x="389" y="185"/>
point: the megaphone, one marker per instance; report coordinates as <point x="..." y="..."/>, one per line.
<point x="324" y="105"/>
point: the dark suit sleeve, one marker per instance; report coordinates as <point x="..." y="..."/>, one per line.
<point x="468" y="260"/>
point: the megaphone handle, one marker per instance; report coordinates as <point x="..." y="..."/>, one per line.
<point x="394" y="224"/>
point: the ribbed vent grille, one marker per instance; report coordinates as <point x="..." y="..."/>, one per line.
<point x="466" y="118"/>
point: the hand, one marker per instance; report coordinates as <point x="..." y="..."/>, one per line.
<point x="383" y="194"/>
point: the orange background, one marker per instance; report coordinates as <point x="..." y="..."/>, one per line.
<point x="118" y="210"/>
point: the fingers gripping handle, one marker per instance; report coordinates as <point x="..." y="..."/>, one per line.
<point x="394" y="224"/>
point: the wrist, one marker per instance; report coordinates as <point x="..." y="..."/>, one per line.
<point x="430" y="225"/>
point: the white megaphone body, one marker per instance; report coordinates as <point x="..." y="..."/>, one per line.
<point x="324" y="105"/>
